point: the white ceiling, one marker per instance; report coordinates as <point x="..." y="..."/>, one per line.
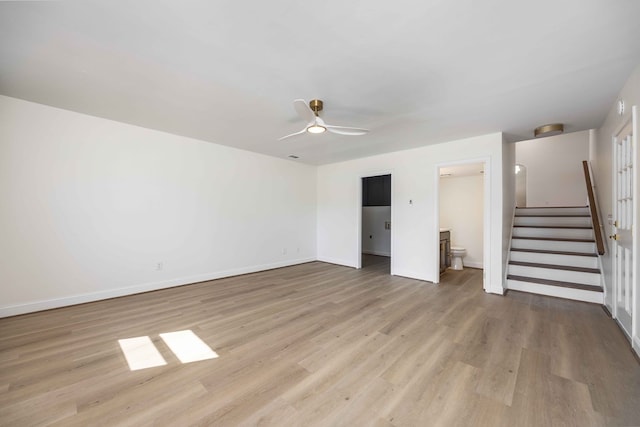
<point x="415" y="72"/>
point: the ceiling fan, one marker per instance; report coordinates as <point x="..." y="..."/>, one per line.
<point x="315" y="124"/>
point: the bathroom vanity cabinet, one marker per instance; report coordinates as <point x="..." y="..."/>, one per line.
<point x="445" y="250"/>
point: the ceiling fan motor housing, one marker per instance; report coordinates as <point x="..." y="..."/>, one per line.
<point x="315" y="105"/>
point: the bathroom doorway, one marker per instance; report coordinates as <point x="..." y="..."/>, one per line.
<point x="375" y="224"/>
<point x="462" y="218"/>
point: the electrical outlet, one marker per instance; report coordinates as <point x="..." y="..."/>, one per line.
<point x="160" y="266"/>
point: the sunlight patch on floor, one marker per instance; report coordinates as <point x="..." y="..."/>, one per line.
<point x="141" y="353"/>
<point x="187" y="346"/>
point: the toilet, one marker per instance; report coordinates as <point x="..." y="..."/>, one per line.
<point x="456" y="257"/>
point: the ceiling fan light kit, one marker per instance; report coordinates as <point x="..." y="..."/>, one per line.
<point x="315" y="124"/>
<point x="316" y="129"/>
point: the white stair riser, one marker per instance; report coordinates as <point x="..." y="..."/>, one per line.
<point x="562" y="233"/>
<point x="552" y="245"/>
<point x="553" y="274"/>
<point x="553" y="211"/>
<point x="569" y="260"/>
<point x="554" y="221"/>
<point x="556" y="291"/>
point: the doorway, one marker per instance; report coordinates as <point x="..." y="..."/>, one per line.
<point x="463" y="213"/>
<point x="521" y="186"/>
<point x="375" y="222"/>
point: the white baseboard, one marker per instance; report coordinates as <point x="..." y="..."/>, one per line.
<point x="472" y="264"/>
<point x="379" y="253"/>
<point x="635" y="344"/>
<point x="136" y="289"/>
<point x="337" y="262"/>
<point x="410" y="275"/>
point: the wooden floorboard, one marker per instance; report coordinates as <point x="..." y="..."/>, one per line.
<point x="320" y="344"/>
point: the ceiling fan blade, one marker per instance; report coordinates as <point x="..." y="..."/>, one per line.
<point x="293" y="134"/>
<point x="344" y="130"/>
<point x="304" y="111"/>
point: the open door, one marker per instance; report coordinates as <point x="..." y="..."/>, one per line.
<point x="624" y="267"/>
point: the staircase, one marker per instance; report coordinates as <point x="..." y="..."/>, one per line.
<point x="553" y="252"/>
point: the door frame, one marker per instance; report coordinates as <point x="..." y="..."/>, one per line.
<point x="359" y="217"/>
<point x="486" y="220"/>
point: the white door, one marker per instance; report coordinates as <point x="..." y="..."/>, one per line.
<point x="624" y="152"/>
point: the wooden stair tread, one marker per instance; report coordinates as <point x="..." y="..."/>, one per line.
<point x="542" y="251"/>
<point x="554" y="216"/>
<point x="571" y="227"/>
<point x="555" y="239"/>
<point x="552" y="207"/>
<point x="558" y="283"/>
<point x="556" y="267"/>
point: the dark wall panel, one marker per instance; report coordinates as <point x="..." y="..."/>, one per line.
<point x="376" y="190"/>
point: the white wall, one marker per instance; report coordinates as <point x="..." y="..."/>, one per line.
<point x="415" y="217"/>
<point x="91" y="206"/>
<point x="375" y="239"/>
<point x="554" y="169"/>
<point x="462" y="212"/>
<point x="602" y="166"/>
<point x="508" y="200"/>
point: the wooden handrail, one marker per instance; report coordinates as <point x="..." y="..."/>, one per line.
<point x="595" y="220"/>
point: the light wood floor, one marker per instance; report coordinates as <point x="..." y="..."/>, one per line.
<point x="319" y="344"/>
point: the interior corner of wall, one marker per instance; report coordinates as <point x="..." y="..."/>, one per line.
<point x="636" y="345"/>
